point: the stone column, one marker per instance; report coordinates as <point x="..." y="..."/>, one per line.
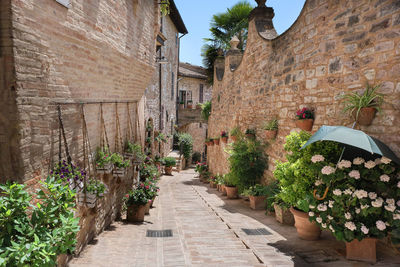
<point x="262" y="16"/>
<point x="234" y="55"/>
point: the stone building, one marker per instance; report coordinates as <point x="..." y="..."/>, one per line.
<point x="162" y="92"/>
<point x="333" y="48"/>
<point x="193" y="87"/>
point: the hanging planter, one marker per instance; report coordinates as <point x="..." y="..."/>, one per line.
<point x="105" y="168"/>
<point x="365" y="116"/>
<point x="94" y="190"/>
<point x="271" y="129"/>
<point x="305" y="119"/>
<point x="119" y="172"/>
<point x="120" y="165"/>
<point x="364" y="250"/>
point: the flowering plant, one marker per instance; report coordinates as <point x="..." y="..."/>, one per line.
<point x="103" y="157"/>
<point x="69" y="173"/>
<point x="363" y="199"/>
<point x="137" y="196"/>
<point x="224" y="134"/>
<point x="201" y="167"/>
<point x="118" y="161"/>
<point x="95" y="187"/>
<point x="305" y="113"/>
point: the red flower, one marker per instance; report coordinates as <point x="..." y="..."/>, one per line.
<point x="141" y="185"/>
<point x="147" y="187"/>
<point x="127" y="195"/>
<point x="304" y="116"/>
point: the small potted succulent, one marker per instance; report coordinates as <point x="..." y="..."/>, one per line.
<point x="94" y="190"/>
<point x="216" y="141"/>
<point x="271" y="129"/>
<point x="305" y="119"/>
<point x="120" y="165"/>
<point x="250" y="133"/>
<point x="363" y="107"/>
<point x="103" y="161"/>
<point x="224" y="137"/>
<point x="169" y="163"/>
<point x="235" y="133"/>
<point x="189" y="104"/>
<point x="135" y="202"/>
<point x="230" y="187"/>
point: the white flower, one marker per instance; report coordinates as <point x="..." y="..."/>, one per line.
<point x="318" y="182"/>
<point x="369" y="164"/>
<point x="364" y="229"/>
<point x="398" y="185"/>
<point x="337" y="192"/>
<point x="319" y="220"/>
<point x="311" y="207"/>
<point x="360" y="194"/>
<point x="331" y="228"/>
<point x="358" y="210"/>
<point x="385" y="160"/>
<point x="358" y="161"/>
<point x="384" y="178"/>
<point x="330" y="217"/>
<point x="354" y="174"/>
<point x="390" y="201"/>
<point x="311" y="214"/>
<point x="347" y="192"/>
<point x="377" y="203"/>
<point x="347" y="215"/>
<point x="331" y="202"/>
<point x="396" y="216"/>
<point x="380" y="225"/>
<point x="364" y="206"/>
<point x="398" y="203"/>
<point x="377" y="161"/>
<point x="344" y="164"/>
<point x="390" y="208"/>
<point x="317" y="158"/>
<point x="372" y="195"/>
<point x="327" y="170"/>
<point x="323" y="225"/>
<point x="322" y="207"/>
<point x="350" y="225"/>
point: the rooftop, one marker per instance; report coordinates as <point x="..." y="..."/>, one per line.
<point x="192" y="71"/>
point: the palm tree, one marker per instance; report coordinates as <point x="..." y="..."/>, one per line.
<point x="223" y="27"/>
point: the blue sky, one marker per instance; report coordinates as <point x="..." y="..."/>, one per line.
<point x="197" y="15"/>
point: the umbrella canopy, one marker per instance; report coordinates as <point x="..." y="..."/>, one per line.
<point x="353" y="139"/>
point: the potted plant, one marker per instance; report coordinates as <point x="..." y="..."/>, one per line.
<point x="297" y="176"/>
<point x="149" y="140"/>
<point x="189" y="104"/>
<point x="271" y="129"/>
<point x="103" y="161"/>
<point x="69" y="174"/>
<point x="198" y="106"/>
<point x="257" y="195"/>
<point x="94" y="190"/>
<point x="211" y="142"/>
<point x="224" y="137"/>
<point x="216" y="141"/>
<point x="235" y="134"/>
<point x="250" y="133"/>
<point x="120" y="165"/>
<point x="305" y="119"/>
<point x="135" y="202"/>
<point x="360" y="203"/>
<point x="161" y="138"/>
<point x="151" y="190"/>
<point x="212" y="180"/>
<point x="181" y="105"/>
<point x="205" y="177"/>
<point x="363" y="107"/>
<point x="282" y="211"/>
<point x="169" y="163"/>
<point x="230" y="186"/>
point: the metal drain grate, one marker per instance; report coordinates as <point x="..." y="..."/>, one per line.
<point x="159" y="233"/>
<point x="258" y="231"/>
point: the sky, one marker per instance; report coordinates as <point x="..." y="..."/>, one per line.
<point x="197" y="15"/>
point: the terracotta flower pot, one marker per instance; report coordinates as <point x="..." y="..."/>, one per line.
<point x="135" y="213"/>
<point x="224" y="190"/>
<point x="147" y="208"/>
<point x="211" y="143"/>
<point x="168" y="170"/>
<point x="233" y="138"/>
<point x="212" y="184"/>
<point x="284" y="216"/>
<point x="305" y="125"/>
<point x="365" y="116"/>
<point x="217" y="187"/>
<point x="364" y="250"/>
<point x="305" y="229"/>
<point x="231" y="192"/>
<point x="181" y="106"/>
<point x="270" y="134"/>
<point x="152" y="202"/>
<point x="224" y="139"/>
<point x="250" y="136"/>
<point x="216" y="142"/>
<point x="258" y="202"/>
<point x="189" y="106"/>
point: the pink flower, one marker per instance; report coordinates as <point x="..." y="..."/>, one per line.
<point x="380" y="225"/>
<point x="304" y="116"/>
<point x="327" y="170"/>
<point x="355" y="174"/>
<point x="147" y="187"/>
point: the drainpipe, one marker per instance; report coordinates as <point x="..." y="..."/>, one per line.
<point x="160" y="91"/>
<point x="177" y="80"/>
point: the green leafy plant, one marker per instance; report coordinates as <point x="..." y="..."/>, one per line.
<point x="169" y="161"/>
<point x="354" y="102"/>
<point x="297" y="176"/>
<point x="118" y="161"/>
<point x="201" y="167"/>
<point x="206" y="110"/>
<point x="185" y="142"/>
<point x="196" y="157"/>
<point x="236" y="132"/>
<point x="149" y="140"/>
<point x="230" y="180"/>
<point x="133" y="148"/>
<point x="161" y="138"/>
<point x="33" y="235"/>
<point x="96" y="187"/>
<point x="103" y="157"/>
<point x="164" y="7"/>
<point x="137" y="196"/>
<point x="148" y="170"/>
<point x="250" y="131"/>
<point x="271" y="125"/>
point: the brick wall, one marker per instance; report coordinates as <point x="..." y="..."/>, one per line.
<point x="193" y="85"/>
<point x="333" y="48"/>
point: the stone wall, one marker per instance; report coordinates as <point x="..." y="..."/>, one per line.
<point x="334" y="47"/>
<point x="193" y="85"/>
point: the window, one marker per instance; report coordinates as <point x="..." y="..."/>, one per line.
<point x="65" y="3"/>
<point x="201" y="93"/>
<point x="172" y="85"/>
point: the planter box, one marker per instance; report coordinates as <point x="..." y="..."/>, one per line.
<point x="231" y="192"/>
<point x="284" y="216"/>
<point x="129" y="156"/>
<point x="119" y="172"/>
<point x="135" y="213"/>
<point x="258" y="202"/>
<point x="305" y="229"/>
<point x="76" y="186"/>
<point x="106" y="169"/>
<point x="90" y="202"/>
<point x="364" y="250"/>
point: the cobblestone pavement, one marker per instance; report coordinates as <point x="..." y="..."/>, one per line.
<point x="208" y="231"/>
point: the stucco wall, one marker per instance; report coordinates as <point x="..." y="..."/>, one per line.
<point x="334" y="47"/>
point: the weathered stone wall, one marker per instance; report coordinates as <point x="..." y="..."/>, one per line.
<point x="199" y="132"/>
<point x="334" y="47"/>
<point x="193" y="85"/>
<point x="169" y="74"/>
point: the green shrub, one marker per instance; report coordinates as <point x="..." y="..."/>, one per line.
<point x="118" y="161"/>
<point x="206" y="110"/>
<point x="236" y="132"/>
<point x="196" y="157"/>
<point x="186" y="144"/>
<point x="169" y="161"/>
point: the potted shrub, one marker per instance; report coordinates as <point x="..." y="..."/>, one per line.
<point x="135" y="202"/>
<point x="151" y="190"/>
<point x="257" y="195"/>
<point x="297" y="176"/>
<point x="94" y="190"/>
<point x="216" y="141"/>
<point x="181" y="105"/>
<point x="201" y="168"/>
<point x="120" y="165"/>
<point x="235" y="134"/>
<point x="282" y="212"/>
<point x="305" y="119"/>
<point x="224" y="136"/>
<point x="205" y="177"/>
<point x="189" y="104"/>
<point x="230" y="186"/>
<point x="271" y="129"/>
<point x="361" y="204"/>
<point x="103" y="161"/>
<point x="250" y="133"/>
<point x="169" y="163"/>
<point x="363" y="107"/>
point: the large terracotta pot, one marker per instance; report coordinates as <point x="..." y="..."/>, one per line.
<point x="152" y="202"/>
<point x="168" y="170"/>
<point x="147" y="210"/>
<point x="364" y="250"/>
<point x="231" y="192"/>
<point x="216" y="142"/>
<point x="305" y="125"/>
<point x="305" y="229"/>
<point x="135" y="213"/>
<point x="224" y="190"/>
<point x="224" y="139"/>
<point x="365" y="116"/>
<point x="258" y="202"/>
<point x="270" y="134"/>
<point x="282" y="215"/>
